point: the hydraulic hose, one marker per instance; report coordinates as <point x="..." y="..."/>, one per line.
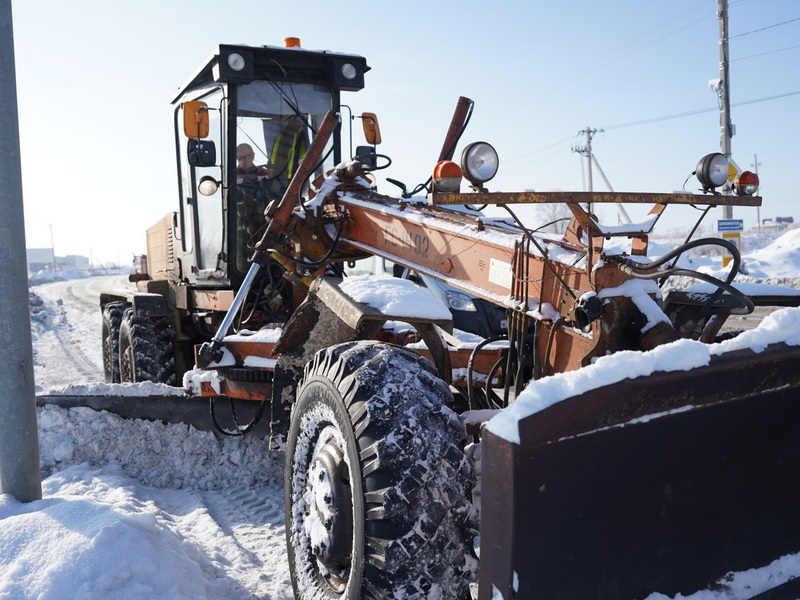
<point x="470" y="369"/>
<point x="637" y="270"/>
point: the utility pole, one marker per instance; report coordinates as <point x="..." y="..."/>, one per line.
<point x="587" y="152"/>
<point x="724" y="91"/>
<point x="755" y="166"/>
<point x="591" y="162"/>
<point x="53" y="250"/>
<point x="19" y="439"/>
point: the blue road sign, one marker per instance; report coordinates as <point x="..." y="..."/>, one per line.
<point x="730" y="225"/>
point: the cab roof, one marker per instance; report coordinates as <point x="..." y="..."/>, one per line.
<point x="278" y="64"/>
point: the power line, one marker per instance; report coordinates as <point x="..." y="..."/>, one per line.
<point x="522" y="159"/>
<point x="765" y="53"/>
<point x="763" y="28"/>
<point x="697" y="112"/>
<point x="601" y="60"/>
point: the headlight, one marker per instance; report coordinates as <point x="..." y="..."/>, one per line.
<point x="712" y="171"/>
<point x="459" y="301"/>
<point x="349" y="71"/>
<point x="208" y="186"/>
<point x="236" y="61"/>
<point x="479" y="162"/>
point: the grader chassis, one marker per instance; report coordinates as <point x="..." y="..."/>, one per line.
<point x="616" y="492"/>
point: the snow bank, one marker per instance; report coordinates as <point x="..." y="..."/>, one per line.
<point x="779" y="259"/>
<point x="87" y="515"/>
<point x="167" y="456"/>
<point x="143" y="389"/>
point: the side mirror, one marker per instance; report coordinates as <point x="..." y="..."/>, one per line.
<point x="195" y="120"/>
<point x="372" y="131"/>
<point x="201" y="153"/>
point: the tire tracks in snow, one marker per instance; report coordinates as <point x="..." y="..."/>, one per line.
<point x="62" y="329"/>
<point x="256" y="527"/>
<point x="60" y="340"/>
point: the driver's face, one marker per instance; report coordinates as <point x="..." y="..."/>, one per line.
<point x="245" y="160"/>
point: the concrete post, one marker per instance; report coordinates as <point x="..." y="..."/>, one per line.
<point x="19" y="439"/>
<point x="726" y="128"/>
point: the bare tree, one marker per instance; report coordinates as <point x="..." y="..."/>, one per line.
<point x="553" y="216"/>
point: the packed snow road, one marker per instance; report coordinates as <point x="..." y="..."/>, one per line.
<point x="66" y="331"/>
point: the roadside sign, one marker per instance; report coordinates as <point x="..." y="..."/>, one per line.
<point x="736" y="239"/>
<point x="730" y="225"/>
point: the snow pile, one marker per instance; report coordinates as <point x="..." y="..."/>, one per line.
<point x="91" y="514"/>
<point x="98" y="534"/>
<point x="137" y="509"/>
<point x="779" y="259"/>
<point x="157" y="454"/>
<point x="145" y="388"/>
<point x="49" y="276"/>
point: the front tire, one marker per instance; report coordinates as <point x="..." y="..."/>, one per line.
<point x="377" y="483"/>
<point x="146" y="349"/>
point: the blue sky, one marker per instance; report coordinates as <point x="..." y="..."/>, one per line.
<point x="95" y="79"/>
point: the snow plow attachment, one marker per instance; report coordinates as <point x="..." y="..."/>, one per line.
<point x="663" y="483"/>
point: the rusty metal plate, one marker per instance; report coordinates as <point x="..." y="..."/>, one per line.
<point x="588" y="508"/>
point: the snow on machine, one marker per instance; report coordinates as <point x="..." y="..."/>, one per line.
<point x="627" y="451"/>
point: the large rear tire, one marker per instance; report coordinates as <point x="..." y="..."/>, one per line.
<point x="377" y="487"/>
<point x="112" y="317"/>
<point x="146" y="349"/>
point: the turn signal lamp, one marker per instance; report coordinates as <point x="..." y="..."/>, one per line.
<point x="447" y="177"/>
<point x="712" y="171"/>
<point x="747" y="184"/>
<point x="479" y="161"/>
<point x="291" y="42"/>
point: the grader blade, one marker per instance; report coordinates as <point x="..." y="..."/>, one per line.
<point x="174" y="409"/>
<point x="663" y="483"/>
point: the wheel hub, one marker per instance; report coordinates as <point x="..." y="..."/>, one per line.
<point x="329" y="503"/>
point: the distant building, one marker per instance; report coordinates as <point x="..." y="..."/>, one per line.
<point x="40" y="259"/>
<point x="43" y="258"/>
<point x="73" y="261"/>
<point x="777" y="224"/>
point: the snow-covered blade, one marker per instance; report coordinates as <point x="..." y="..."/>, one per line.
<point x="662" y="483"/>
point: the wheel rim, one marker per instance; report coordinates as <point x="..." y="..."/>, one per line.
<point x="108" y="355"/>
<point x="126" y="369"/>
<point x="329" y="510"/>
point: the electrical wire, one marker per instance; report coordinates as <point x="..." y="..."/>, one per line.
<point x="450" y="150"/>
<point x="738" y="35"/>
<point x="697" y="112"/>
<point x="240" y="430"/>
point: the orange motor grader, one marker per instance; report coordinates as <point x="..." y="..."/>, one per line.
<point x="660" y="480"/>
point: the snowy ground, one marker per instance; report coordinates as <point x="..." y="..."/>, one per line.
<point x="133" y="509"/>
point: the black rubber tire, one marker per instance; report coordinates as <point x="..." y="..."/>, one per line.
<point x="146" y="349"/>
<point x="112" y="316"/>
<point x="375" y="467"/>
